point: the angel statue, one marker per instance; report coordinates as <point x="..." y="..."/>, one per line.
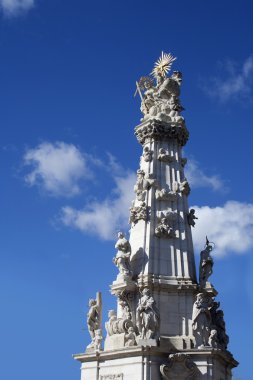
<point x="161" y="100"/>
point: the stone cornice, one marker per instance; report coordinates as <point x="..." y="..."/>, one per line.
<point x="158" y="130"/>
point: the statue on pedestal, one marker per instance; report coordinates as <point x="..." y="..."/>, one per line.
<point x="161" y="101"/>
<point x="122" y="258"/>
<point x="94" y="318"/>
<point x="206" y="265"/>
<point x="201" y="320"/>
<point x="147" y="316"/>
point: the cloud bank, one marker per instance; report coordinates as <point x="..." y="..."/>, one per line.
<point x="234" y="83"/>
<point x="15" y="7"/>
<point x="56" y="168"/>
<point x="197" y="178"/>
<point x="105" y="218"/>
<point x="230" y="227"/>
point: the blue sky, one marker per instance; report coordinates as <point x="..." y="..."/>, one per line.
<point x="68" y="158"/>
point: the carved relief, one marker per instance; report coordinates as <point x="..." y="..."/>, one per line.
<point x="164" y="156"/>
<point x="147" y="316"/>
<point x="180" y="366"/>
<point x="165" y="195"/>
<point x="191" y="217"/>
<point x="147" y="154"/>
<point x="164" y="229"/>
<point x="138" y="213"/>
<point x="183" y="187"/>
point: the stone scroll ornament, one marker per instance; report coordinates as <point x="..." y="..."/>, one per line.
<point x="160" y="101"/>
<point x="94" y="322"/>
<point x="122" y="258"/>
<point x="147" y="316"/>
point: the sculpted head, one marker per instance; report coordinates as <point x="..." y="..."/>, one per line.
<point x="121" y="235"/>
<point x="92" y="302"/>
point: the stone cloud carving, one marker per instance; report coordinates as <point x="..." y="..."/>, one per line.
<point x="164" y="229"/>
<point x="138" y="212"/>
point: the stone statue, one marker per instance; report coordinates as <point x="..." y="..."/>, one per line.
<point x="184" y="187"/>
<point x="183" y="161"/>
<point x="98" y="339"/>
<point x="126" y="312"/>
<point x="206" y="265"/>
<point x="164" y="156"/>
<point x="130" y="338"/>
<point x="138" y="212"/>
<point x="94" y="318"/>
<point x="220" y="326"/>
<point x="147" y="316"/>
<point x="117" y="325"/>
<point x="191" y="217"/>
<point x="213" y="340"/>
<point x="147" y="154"/>
<point x="165" y="195"/>
<point x="201" y="319"/>
<point x="164" y="229"/>
<point x="161" y="102"/>
<point x="139" y="186"/>
<point x="122" y="258"/>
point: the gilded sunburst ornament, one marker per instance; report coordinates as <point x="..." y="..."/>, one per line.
<point x="163" y="65"/>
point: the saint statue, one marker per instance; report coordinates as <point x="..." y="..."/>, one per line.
<point x="122" y="258"/>
<point x="147" y="318"/>
<point x="94" y="318"/>
<point x="206" y="265"/>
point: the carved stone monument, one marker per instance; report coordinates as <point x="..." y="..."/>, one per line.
<point x="168" y="324"/>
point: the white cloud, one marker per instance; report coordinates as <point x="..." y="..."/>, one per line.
<point x="56" y="168"/>
<point x="197" y="178"/>
<point x="235" y="84"/>
<point x="230" y="227"/>
<point x="104" y="218"/>
<point x="14" y="7"/>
